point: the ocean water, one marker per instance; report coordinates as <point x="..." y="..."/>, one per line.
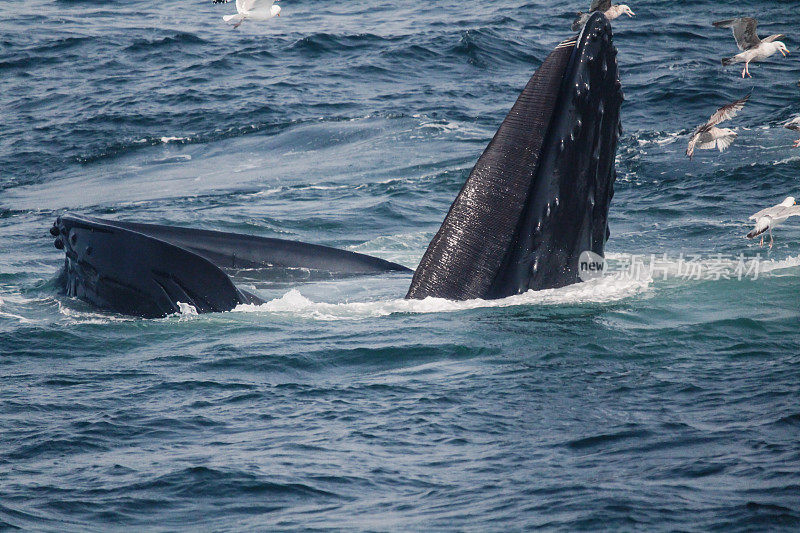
<point x="632" y="402"/>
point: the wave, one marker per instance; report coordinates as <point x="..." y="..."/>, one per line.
<point x="338" y="43"/>
<point x="199" y="481"/>
<point x="120" y="148"/>
<point x="178" y="39"/>
<point x="425" y="127"/>
<point x="599" y="291"/>
<point x="482" y="47"/>
<point x="215" y="134"/>
<point x="11" y="312"/>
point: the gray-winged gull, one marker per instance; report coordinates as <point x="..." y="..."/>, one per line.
<point x="611" y="12"/>
<point x="753" y="48"/>
<point x="794" y="125"/>
<point x="708" y="136"/>
<point x="771" y="217"/>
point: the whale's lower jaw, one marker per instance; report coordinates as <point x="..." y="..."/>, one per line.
<point x="539" y="195"/>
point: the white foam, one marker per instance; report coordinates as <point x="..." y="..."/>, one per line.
<point x="186" y="309"/>
<point x="773" y="265"/>
<point x="312" y="187"/>
<point x="444" y="126"/>
<point x="441" y="125"/>
<point x="662" y="139"/>
<point x="790" y="159"/>
<point x="334" y="187"/>
<point x="80" y="317"/>
<point x="671" y="138"/>
<point x="603" y="290"/>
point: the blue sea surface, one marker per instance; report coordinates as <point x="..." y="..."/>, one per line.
<point x="637" y="403"/>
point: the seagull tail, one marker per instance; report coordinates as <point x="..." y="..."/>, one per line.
<point x="728" y="61"/>
<point x="229" y="18"/>
<point x="761" y="227"/>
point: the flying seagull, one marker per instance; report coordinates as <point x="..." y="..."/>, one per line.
<point x="794" y="125"/>
<point x="771" y="217"/>
<point x="611" y="12"/>
<point x="708" y="136"/>
<point x="753" y="48"/>
<point x="251" y="9"/>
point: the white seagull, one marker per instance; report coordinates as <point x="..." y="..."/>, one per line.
<point x="753" y="48"/>
<point x="251" y="9"/>
<point x="611" y="12"/>
<point x="794" y="125"/>
<point x="771" y="217"/>
<point x="708" y="136"/>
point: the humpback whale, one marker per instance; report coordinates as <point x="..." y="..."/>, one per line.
<point x="537" y="198"/>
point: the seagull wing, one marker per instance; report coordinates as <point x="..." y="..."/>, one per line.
<point x="786" y="212"/>
<point x="745" y="34"/>
<point x="727" y="111"/>
<point x="693" y="142"/>
<point x="744" y="31"/>
<point x="243" y="6"/>
<point x="707" y="146"/>
<point x="768" y="212"/>
<point x="600" y="5"/>
<point x="773" y="38"/>
<point x="262" y="5"/>
<point x="724" y="142"/>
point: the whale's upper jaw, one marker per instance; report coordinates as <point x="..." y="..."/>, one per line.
<point x="540" y="193"/>
<point x="568" y="203"/>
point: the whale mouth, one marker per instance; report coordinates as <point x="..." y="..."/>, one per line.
<point x="536" y="202"/>
<point x="539" y="194"/>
